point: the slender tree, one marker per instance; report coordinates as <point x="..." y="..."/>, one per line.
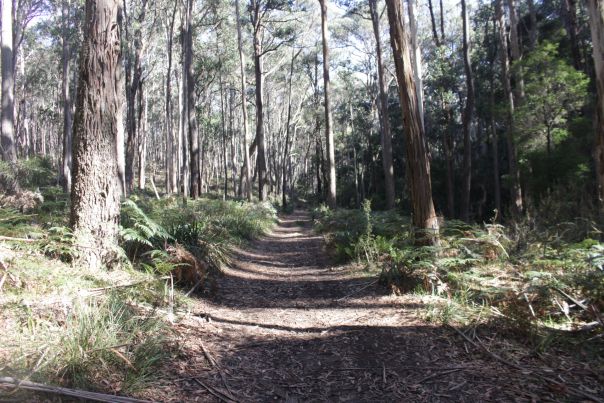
<point x="257" y="14"/>
<point x="95" y="193"/>
<point x="467" y="116"/>
<point x="193" y="134"/>
<point x="515" y="189"/>
<point x="9" y="152"/>
<point x="418" y="163"/>
<point x="596" y="22"/>
<point x="67" y="138"/>
<point x="171" y="143"/>
<point x="331" y="163"/>
<point x="134" y="73"/>
<point x="386" y="134"/>
<point x="246" y="154"/>
<point x="516" y="52"/>
<point x="433" y="21"/>
<point x="572" y="30"/>
<point x="416" y="58"/>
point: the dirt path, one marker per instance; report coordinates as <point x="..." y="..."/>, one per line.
<point x="286" y="325"/>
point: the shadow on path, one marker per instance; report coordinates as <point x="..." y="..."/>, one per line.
<point x="288" y="325"/>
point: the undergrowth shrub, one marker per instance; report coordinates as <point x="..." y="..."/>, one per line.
<point x="527" y="273"/>
<point x="88" y="329"/>
<point x="108" y="339"/>
<point x="36" y="172"/>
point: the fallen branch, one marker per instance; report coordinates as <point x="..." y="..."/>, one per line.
<point x="10" y="238"/>
<point x="571" y="299"/>
<point x="217" y="393"/>
<point x="214" y="364"/>
<point x="576" y="392"/>
<point x="2" y="280"/>
<point x="82" y="394"/>
<point x="101" y="289"/>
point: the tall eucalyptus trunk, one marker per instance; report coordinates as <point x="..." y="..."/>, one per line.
<point x="95" y="195"/>
<point x="418" y="164"/>
<point x="246" y="154"/>
<point x="193" y="133"/>
<point x="467" y="116"/>
<point x="66" y="95"/>
<point x="258" y="73"/>
<point x="7" y="133"/>
<point x="596" y="23"/>
<point x="515" y="189"/>
<point x="329" y="143"/>
<point x="386" y="133"/>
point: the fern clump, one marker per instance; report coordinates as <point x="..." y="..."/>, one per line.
<point x="516" y="270"/>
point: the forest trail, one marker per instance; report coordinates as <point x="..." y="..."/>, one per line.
<point x="287" y="325"/>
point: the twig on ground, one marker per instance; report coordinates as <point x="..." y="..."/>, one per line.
<point x="2" y="280"/>
<point x="217" y="393"/>
<point x="82" y="394"/>
<point x="529" y="304"/>
<point x="438" y="374"/>
<point x="358" y="290"/>
<point x="10" y="238"/>
<point x="123" y="358"/>
<point x="212" y="361"/>
<point x="571" y="299"/>
<point x="407" y="367"/>
<point x="112" y="287"/>
<point x="192" y="290"/>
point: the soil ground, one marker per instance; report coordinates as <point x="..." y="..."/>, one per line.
<point x="288" y="325"/>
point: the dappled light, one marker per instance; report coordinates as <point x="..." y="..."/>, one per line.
<point x="302" y="201"/>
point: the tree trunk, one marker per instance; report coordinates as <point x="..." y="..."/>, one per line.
<point x="9" y="151"/>
<point x="260" y="140"/>
<point x="224" y="132"/>
<point x="171" y="149"/>
<point x="133" y="77"/>
<point x="331" y="164"/>
<point x="67" y="138"/>
<point x="515" y="189"/>
<point x="516" y="53"/>
<point x="286" y="151"/>
<point x="433" y="21"/>
<point x="418" y="163"/>
<point x="234" y="155"/>
<point x="448" y="149"/>
<point x="95" y="195"/>
<point x="190" y="101"/>
<point x="596" y="23"/>
<point x="246" y="154"/>
<point x="183" y="125"/>
<point x="533" y="32"/>
<point x="142" y="141"/>
<point x="386" y="134"/>
<point x="467" y="116"/>
<point x="572" y="29"/>
<point x="416" y="59"/>
<point x="442" y="22"/>
<point x="494" y="136"/>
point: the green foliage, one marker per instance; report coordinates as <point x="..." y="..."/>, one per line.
<point x="59" y="244"/>
<point x="107" y="338"/>
<point x="32" y="173"/>
<point x="138" y="231"/>
<point x="479" y="271"/>
<point x="553" y="91"/>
